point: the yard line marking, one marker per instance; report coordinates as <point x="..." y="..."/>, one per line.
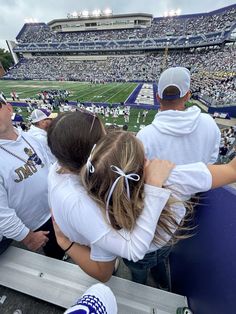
<point x="97" y="89"/>
<point x="106" y="90"/>
<point x="132" y="92"/>
<point x="121" y="90"/>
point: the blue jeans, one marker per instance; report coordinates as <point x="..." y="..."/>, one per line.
<point x="4" y="244"/>
<point x="156" y="261"/>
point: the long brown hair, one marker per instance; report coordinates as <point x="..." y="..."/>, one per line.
<point x="122" y="150"/>
<point x="71" y="137"/>
<point x="125" y="151"/>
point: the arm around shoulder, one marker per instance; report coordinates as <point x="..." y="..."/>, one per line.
<point x="223" y="174"/>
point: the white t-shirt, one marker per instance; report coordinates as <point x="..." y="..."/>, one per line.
<point x="184" y="181"/>
<point x="80" y="218"/>
<point x="23" y="188"/>
<point x="41" y="136"/>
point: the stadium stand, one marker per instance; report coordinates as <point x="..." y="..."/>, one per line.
<point x="203" y="42"/>
<point x="213" y="79"/>
<point x="194" y="24"/>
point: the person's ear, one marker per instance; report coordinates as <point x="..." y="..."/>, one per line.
<point x="10" y="108"/>
<point x="159" y="100"/>
<point x="41" y="124"/>
<point x="187" y="96"/>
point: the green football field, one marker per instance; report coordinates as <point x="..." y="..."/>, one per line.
<point x="83" y="92"/>
<point x="109" y="92"/>
<point x="133" y="124"/>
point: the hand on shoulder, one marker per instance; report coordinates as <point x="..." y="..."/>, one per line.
<point x="157" y="171"/>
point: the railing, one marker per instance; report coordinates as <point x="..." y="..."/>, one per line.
<point x="203" y="267"/>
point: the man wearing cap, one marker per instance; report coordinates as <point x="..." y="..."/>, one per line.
<point x="41" y="120"/>
<point x="24" y="209"/>
<point x="178" y="134"/>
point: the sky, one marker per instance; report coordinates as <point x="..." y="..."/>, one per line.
<point x="14" y="12"/>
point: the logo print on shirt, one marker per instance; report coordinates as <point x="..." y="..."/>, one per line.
<point x="25" y="172"/>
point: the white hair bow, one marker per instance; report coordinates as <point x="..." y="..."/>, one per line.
<point x="89" y="166"/>
<point x="130" y="176"/>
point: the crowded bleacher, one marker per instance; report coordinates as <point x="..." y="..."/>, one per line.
<point x="213" y="70"/>
<point x="160" y="27"/>
<point x="201" y="42"/>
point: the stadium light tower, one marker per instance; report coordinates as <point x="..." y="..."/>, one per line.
<point x="178" y="11"/>
<point x="172" y="13"/>
<point x="85" y="13"/>
<point x="31" y="20"/>
<point x="96" y="13"/>
<point x="107" y="12"/>
<point x="74" y="14"/>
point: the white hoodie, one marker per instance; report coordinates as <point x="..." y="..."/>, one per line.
<point x="41" y="135"/>
<point x="23" y="189"/>
<point x="182" y="137"/>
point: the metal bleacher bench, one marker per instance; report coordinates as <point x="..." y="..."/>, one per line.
<point x="62" y="283"/>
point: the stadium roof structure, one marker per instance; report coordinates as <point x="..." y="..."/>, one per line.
<point x="103" y="17"/>
<point x="90" y="17"/>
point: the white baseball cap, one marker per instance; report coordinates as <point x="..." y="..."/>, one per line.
<point x="98" y="299"/>
<point x="178" y="77"/>
<point x="38" y="115"/>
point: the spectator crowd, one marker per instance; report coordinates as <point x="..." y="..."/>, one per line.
<point x="175" y="25"/>
<point x="213" y="70"/>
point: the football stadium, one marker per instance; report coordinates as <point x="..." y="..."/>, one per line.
<point x="93" y="106"/>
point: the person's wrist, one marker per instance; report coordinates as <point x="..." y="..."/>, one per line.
<point x="28" y="238"/>
<point x="64" y="243"/>
<point x="69" y="247"/>
<point x="154" y="182"/>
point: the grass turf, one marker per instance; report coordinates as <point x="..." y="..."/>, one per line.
<point x="83" y="92"/>
<point x="132" y="125"/>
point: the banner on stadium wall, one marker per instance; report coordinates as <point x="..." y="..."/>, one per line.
<point x="221" y="115"/>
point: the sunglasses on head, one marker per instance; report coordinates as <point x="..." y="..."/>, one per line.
<point x="89" y="113"/>
<point x="86" y="111"/>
